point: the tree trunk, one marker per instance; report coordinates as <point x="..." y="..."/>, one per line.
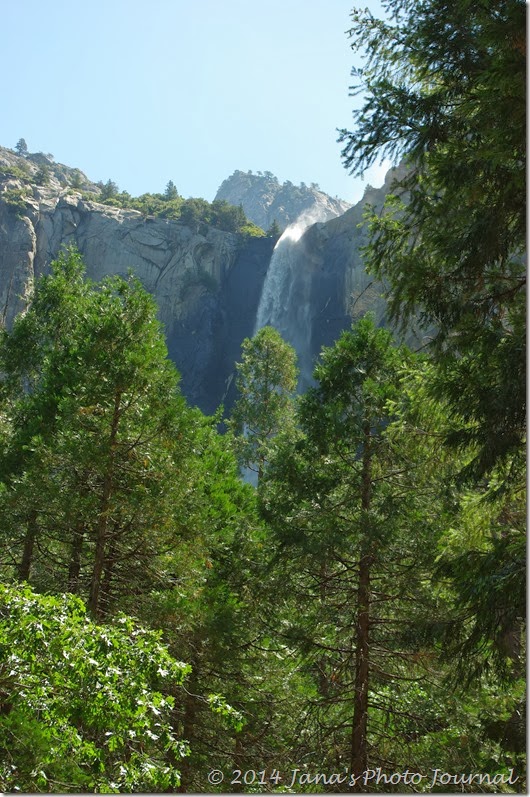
<point x="359" y="746"/>
<point x="359" y="752"/>
<point x="188" y="729"/>
<point x="102" y="522"/>
<point x="74" y="568"/>
<point x="323" y="679"/>
<point x="29" y="546"/>
<point x="105" y="591"/>
<point x="238" y="759"/>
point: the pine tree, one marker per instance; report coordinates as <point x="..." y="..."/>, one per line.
<point x="97" y="427"/>
<point x="336" y="499"/>
<point x="108" y="190"/>
<point x="266" y="381"/>
<point x="21" y="147"/>
<point x="171" y="191"/>
<point x="440" y="82"/>
<point x="274" y="230"/>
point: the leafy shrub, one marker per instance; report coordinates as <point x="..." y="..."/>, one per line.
<point x="42" y="177"/>
<point x="20" y="173"/>
<point x="80" y="704"/>
<point x="251" y="230"/>
<point x="15" y="200"/>
<point x="194" y="212"/>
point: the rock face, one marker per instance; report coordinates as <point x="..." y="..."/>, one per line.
<point x="265" y="200"/>
<point x="207" y="283"/>
<point x="205" y="342"/>
<point x="329" y="287"/>
<point x="42" y="169"/>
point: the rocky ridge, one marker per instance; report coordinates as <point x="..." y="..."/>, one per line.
<point x="265" y="200"/>
<point x="41" y="168"/>
<point x="331" y="277"/>
<point x="207" y="282"/>
<point x="186" y="269"/>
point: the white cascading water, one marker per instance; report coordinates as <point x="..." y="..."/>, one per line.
<point x="285" y="302"/>
<point x="274" y="300"/>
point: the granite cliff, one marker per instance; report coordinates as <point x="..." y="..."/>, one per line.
<point x="208" y="283"/>
<point x="265" y="200"/>
<point x="328" y="285"/>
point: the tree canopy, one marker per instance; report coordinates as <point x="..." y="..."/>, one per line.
<point x="357" y="622"/>
<point x="81" y="707"/>
<point x="194" y="211"/>
<point x="266" y="382"/>
<point x="440" y="80"/>
<point x="21" y="147"/>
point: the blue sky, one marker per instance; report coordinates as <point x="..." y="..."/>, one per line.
<point x="190" y="90"/>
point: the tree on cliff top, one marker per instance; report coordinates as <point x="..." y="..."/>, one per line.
<point x="21" y="147"/>
<point x="171" y="191"/>
<point x="274" y="230"/>
<point x="108" y="189"/>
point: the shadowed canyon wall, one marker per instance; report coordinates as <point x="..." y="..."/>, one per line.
<point x="208" y="283"/>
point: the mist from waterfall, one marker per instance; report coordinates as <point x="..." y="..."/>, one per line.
<point x="285" y="302"/>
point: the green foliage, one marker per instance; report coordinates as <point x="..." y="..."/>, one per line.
<point x="360" y="505"/>
<point x="431" y="728"/>
<point x="171" y="191"/>
<point x="266" y="381"/>
<point x="207" y="607"/>
<point x="219" y="705"/>
<point x="251" y="230"/>
<point x="43" y="174"/>
<point x="20" y="173"/>
<point x="108" y="190"/>
<point x="439" y="84"/>
<point x="490" y="593"/>
<point x="193" y="212"/>
<point x="82" y="706"/>
<point x="479" y="567"/>
<point x="228" y="217"/>
<point x="132" y="496"/>
<point x="340" y="499"/>
<point x="274" y="230"/>
<point x="89" y="458"/>
<point x="372" y="614"/>
<point x="76" y="179"/>
<point x="21" y="147"/>
<point x="15" y="199"/>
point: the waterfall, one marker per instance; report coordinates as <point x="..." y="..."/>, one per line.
<point x="274" y="300"/>
<point x="285" y="302"/>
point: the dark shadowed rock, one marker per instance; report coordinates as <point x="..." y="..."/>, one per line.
<point x="207" y="283"/>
